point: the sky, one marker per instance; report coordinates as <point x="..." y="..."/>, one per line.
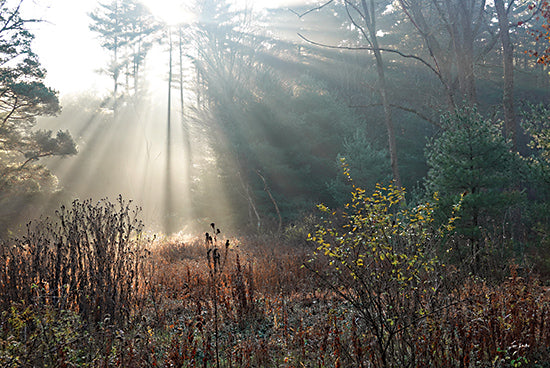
<point x="65" y="46"/>
<point x="69" y="50"/>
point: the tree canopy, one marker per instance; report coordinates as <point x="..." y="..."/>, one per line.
<point x="23" y="98"/>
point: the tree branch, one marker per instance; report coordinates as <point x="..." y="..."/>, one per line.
<point x="356" y="24"/>
<point x="266" y="189"/>
<point x="407" y="56"/>
<point x="312" y="9"/>
<point x="407" y="109"/>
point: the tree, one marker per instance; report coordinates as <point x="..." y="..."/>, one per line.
<point x="275" y="133"/>
<point x="127" y="30"/>
<point x="543" y="8"/>
<point x="142" y="30"/>
<point x="380" y="258"/>
<point x="107" y="21"/>
<point x="363" y="16"/>
<point x="366" y="164"/>
<point x="537" y="124"/>
<point x="450" y="29"/>
<point x="24" y="97"/>
<point x="536" y="121"/>
<point x="470" y="159"/>
<point x="369" y="18"/>
<point x="508" y="65"/>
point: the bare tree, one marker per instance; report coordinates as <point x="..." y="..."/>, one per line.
<point x="362" y="15"/>
<point x="508" y="64"/>
<point x="449" y="29"/>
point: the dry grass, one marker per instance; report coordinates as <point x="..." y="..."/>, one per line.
<point x="260" y="306"/>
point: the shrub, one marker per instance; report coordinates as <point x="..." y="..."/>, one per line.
<point x="91" y="261"/>
<point x="381" y="261"/>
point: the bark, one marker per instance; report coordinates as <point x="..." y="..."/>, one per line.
<point x="510" y="124"/>
<point x="413" y="9"/>
<point x="115" y="77"/>
<point x="250" y="200"/>
<point x="184" y="124"/>
<point x="266" y="189"/>
<point x="463" y="19"/>
<point x="116" y="70"/>
<point x="370" y="23"/>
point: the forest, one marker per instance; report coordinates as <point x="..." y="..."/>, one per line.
<point x="326" y="183"/>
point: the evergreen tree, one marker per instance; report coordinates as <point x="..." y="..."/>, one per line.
<point x="471" y="159"/>
<point x="127" y="30"/>
<point x="107" y="22"/>
<point x="366" y="164"/>
<point x="24" y="97"/>
<point x="536" y="121"/>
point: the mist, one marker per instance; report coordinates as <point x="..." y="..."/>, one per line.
<point x="290" y="183"/>
<point x="241" y="113"/>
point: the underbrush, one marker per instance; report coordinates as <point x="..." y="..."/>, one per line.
<point x="247" y="302"/>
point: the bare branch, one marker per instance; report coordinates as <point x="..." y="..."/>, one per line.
<point x="266" y="189"/>
<point x="368" y="48"/>
<point x="356" y="24"/>
<point x="356" y="8"/>
<point x="407" y="109"/>
<point x="312" y="9"/>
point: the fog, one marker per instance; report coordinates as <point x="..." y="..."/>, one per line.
<point x="239" y="112"/>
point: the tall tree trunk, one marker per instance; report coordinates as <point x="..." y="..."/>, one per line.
<point x="115" y="77"/>
<point x="168" y="190"/>
<point x="186" y="130"/>
<point x="510" y="124"/>
<point x="116" y="69"/>
<point x="413" y="9"/>
<point x="370" y="22"/>
<point x="137" y="62"/>
<point x="454" y="61"/>
<point x="461" y="23"/>
<point x="465" y="68"/>
<point x="184" y="125"/>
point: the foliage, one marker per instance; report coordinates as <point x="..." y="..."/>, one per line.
<point x="24" y="97"/>
<point x="381" y="261"/>
<point x="127" y="30"/>
<point x="41" y="336"/>
<point x="502" y="326"/>
<point x="293" y="148"/>
<point x="89" y="261"/>
<point x="471" y="159"/>
<point x="542" y="9"/>
<point x="536" y="121"/>
<point x="366" y="165"/>
<point x="290" y="319"/>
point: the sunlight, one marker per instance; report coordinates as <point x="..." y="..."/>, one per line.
<point x="128" y="157"/>
<point x="175" y="12"/>
<point x="170" y="11"/>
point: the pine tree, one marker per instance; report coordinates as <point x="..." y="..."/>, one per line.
<point x="471" y="159"/>
<point x="24" y="97"/>
<point x="127" y="30"/>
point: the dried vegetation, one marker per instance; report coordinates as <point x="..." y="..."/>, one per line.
<point x="90" y="290"/>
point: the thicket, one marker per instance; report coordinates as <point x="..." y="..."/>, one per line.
<point x="382" y="261"/>
<point x="90" y="261"/>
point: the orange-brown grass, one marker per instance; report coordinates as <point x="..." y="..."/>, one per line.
<point x="506" y="325"/>
<point x="263" y="309"/>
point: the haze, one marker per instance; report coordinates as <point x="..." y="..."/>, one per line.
<point x="261" y="104"/>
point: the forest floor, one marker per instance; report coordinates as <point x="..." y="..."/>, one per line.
<point x="254" y="304"/>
